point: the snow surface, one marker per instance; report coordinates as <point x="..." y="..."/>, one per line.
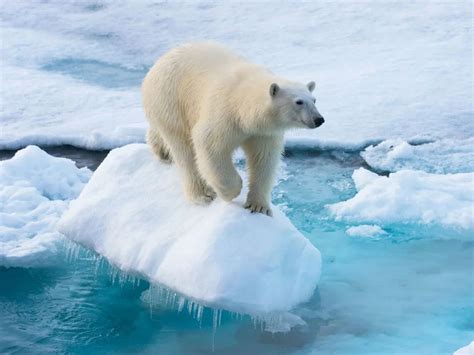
<point x="71" y="69"/>
<point x="410" y="196"/>
<point x="35" y="189"/>
<point x="133" y="212"/>
<point x="442" y="156"/>
<point x="366" y="231"/>
<point x="466" y="350"/>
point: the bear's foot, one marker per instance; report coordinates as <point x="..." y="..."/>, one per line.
<point x="257" y="207"/>
<point x="165" y="155"/>
<point x="201" y="195"/>
<point x="231" y="189"/>
<point x="202" y="200"/>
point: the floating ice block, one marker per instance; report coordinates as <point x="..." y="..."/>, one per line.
<point x="410" y="196"/>
<point x="133" y="212"/>
<point x="35" y="190"/>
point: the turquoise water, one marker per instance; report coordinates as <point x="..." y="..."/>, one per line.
<point x="409" y="292"/>
<point x="107" y="75"/>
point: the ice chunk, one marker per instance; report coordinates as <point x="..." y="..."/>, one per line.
<point x="442" y="156"/>
<point x="366" y="231"/>
<point x="410" y="196"/>
<point x="133" y="212"/>
<point x="282" y="322"/>
<point x="466" y="350"/>
<point x="35" y="189"/>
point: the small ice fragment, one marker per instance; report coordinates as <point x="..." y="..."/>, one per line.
<point x="366" y="231"/>
<point x="466" y="350"/>
<point x="282" y="322"/>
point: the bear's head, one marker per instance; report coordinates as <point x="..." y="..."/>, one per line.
<point x="294" y="105"/>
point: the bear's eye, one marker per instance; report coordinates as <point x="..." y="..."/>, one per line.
<point x="314" y="100"/>
<point x="299" y="102"/>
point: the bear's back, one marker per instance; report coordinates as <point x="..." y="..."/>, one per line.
<point x="195" y="77"/>
<point x="204" y="60"/>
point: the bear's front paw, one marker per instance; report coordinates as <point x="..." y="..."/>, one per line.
<point x="165" y="155"/>
<point x="258" y="207"/>
<point x="209" y="193"/>
<point x="232" y="190"/>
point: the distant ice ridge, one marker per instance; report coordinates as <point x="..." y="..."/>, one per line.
<point x="442" y="156"/>
<point x="35" y="189"/>
<point x="133" y="213"/>
<point x="410" y="196"/>
<point x="410" y="70"/>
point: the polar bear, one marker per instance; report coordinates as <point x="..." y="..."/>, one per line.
<point x="203" y="101"/>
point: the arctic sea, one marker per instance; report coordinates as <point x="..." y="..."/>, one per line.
<point x="384" y="189"/>
<point x="406" y="291"/>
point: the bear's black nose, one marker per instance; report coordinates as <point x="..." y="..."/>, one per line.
<point x="318" y="121"/>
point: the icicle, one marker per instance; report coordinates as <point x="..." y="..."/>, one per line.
<point x="199" y="314"/>
<point x="215" y="320"/>
<point x="150" y="292"/>
<point x="219" y="318"/>
<point x="181" y="303"/>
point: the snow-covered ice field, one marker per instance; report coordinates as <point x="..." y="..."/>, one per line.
<point x="383" y="69"/>
<point x="384" y="189"/>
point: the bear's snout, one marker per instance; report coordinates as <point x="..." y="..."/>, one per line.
<point x="318" y="121"/>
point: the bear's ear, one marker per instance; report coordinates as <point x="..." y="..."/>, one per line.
<point x="311" y="85"/>
<point x="274" y="88"/>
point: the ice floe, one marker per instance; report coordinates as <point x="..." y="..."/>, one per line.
<point x="442" y="156"/>
<point x="133" y="213"/>
<point x="35" y="189"/>
<point x="410" y="196"/>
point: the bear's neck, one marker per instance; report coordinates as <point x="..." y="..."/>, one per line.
<point x="255" y="110"/>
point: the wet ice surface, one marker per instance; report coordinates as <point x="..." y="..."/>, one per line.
<point x="408" y="291"/>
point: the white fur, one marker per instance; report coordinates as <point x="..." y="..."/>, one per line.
<point x="203" y="102"/>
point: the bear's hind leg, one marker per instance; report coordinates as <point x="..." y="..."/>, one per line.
<point x="214" y="160"/>
<point x="157" y="144"/>
<point x="195" y="188"/>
